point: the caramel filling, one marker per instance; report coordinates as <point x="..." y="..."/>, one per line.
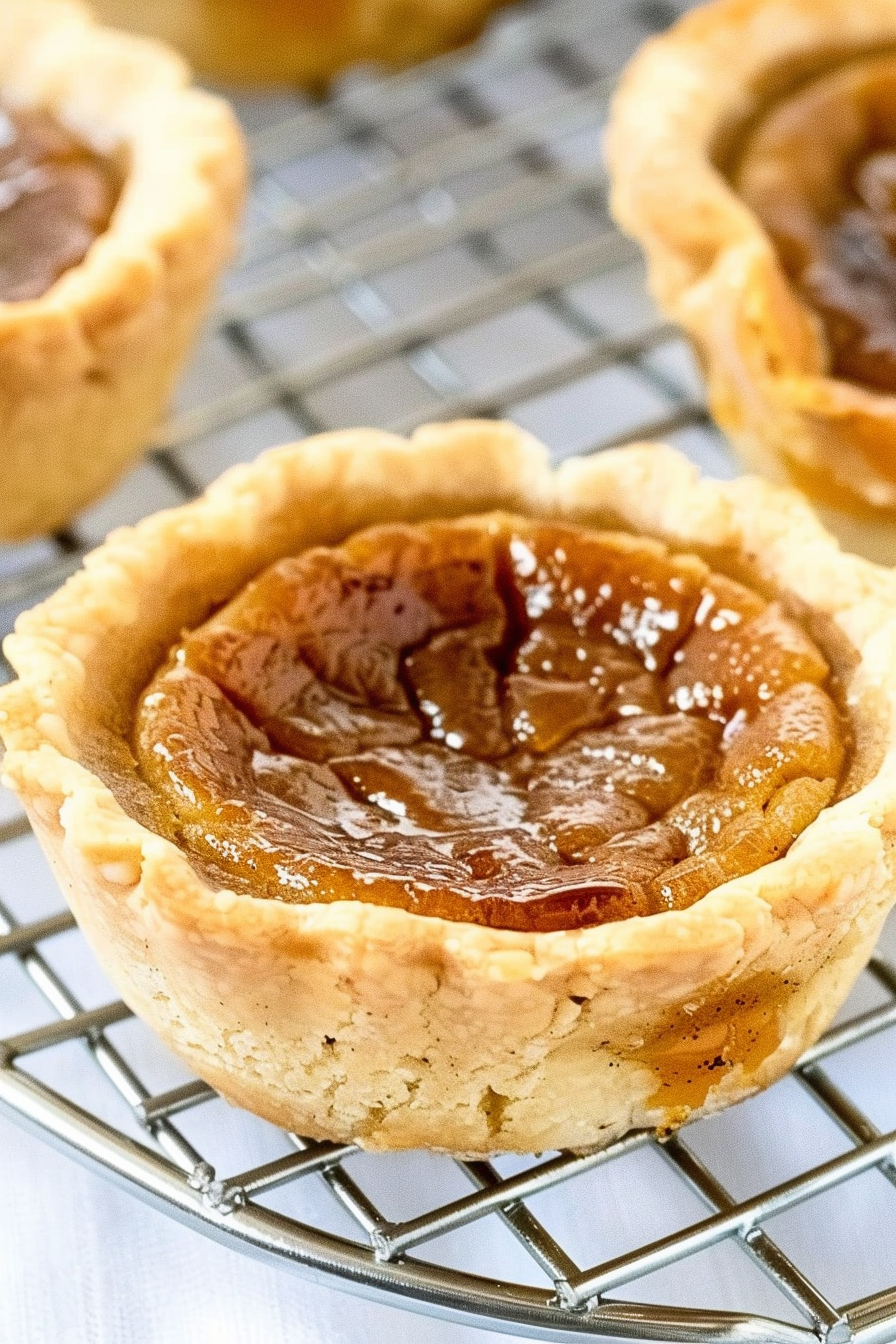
<point x="56" y="198"/>
<point x="820" y="172"/>
<point x="527" y="725"/>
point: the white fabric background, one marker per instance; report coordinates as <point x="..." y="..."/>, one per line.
<point x="84" y="1263"/>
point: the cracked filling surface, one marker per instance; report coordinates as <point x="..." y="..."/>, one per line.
<point x="528" y="725"/>
<point x="820" y="172"/>
<point x="56" y="198"/>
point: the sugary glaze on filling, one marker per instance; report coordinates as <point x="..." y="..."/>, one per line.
<point x="523" y="724"/>
<point x="820" y="171"/>
<point x="56" y="198"/>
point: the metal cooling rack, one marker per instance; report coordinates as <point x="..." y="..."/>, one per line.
<point x="438" y="245"/>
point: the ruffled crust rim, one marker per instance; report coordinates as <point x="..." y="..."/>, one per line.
<point x="683" y="107"/>
<point x="84" y="655"/>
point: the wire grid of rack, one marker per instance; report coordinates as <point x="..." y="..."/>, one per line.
<point x="432" y="246"/>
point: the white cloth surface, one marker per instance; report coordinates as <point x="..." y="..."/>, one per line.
<point x="84" y="1263"/>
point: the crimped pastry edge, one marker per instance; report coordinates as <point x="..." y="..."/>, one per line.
<point x="357" y="1022"/>
<point x="86" y="369"/>
<point x="683" y="106"/>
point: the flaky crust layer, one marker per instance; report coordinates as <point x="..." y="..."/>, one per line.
<point x="301" y="41"/>
<point x="359" y="1022"/>
<point x="681" y="113"/>
<point x="86" y="370"/>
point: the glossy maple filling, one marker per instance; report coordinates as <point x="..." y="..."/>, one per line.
<point x="56" y="198"/>
<point x="820" y="171"/>
<point x="527" y="725"/>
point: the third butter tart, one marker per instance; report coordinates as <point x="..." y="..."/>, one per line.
<point x="120" y="191"/>
<point x="303" y="42"/>
<point x="418" y="794"/>
<point x="753" y="154"/>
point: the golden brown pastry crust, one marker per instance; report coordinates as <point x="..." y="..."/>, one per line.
<point x="685" y="105"/>
<point x="85" y="370"/>
<point x="354" y="1021"/>
<point x="303" y="42"/>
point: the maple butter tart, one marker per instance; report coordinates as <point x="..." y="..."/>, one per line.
<point x="420" y="795"/>
<point x="120" y="190"/>
<point x="753" y="154"/>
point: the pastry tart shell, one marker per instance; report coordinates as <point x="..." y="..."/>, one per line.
<point x="351" y="1021"/>
<point x="86" y="369"/>
<point x="682" y="111"/>
<point x="303" y="42"/>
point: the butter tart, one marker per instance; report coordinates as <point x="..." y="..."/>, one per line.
<point x="420" y="795"/>
<point x="753" y="154"/>
<point x="303" y="42"/>
<point x="120" y="190"/>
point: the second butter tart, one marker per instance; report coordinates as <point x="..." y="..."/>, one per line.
<point x="752" y="151"/>
<point x="120" y="193"/>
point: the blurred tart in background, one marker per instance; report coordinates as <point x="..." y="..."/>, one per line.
<point x="303" y="42"/>
<point x="120" y="194"/>
<point x="753" y="154"/>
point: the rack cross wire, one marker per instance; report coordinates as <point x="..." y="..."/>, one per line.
<point x="436" y="245"/>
